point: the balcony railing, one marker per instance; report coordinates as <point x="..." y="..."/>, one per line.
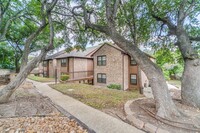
<point x="79" y="74"/>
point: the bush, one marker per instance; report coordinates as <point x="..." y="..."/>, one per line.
<point x="114" y="86"/>
<point x="64" y="77"/>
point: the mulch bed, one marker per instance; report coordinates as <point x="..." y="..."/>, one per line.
<point x="53" y="124"/>
<point x="29" y="112"/>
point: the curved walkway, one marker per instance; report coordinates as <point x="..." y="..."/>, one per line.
<point x="93" y="118"/>
<point x="148" y="92"/>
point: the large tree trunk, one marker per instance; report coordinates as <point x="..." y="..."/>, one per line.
<point x="17" y="64"/>
<point x="7" y="91"/>
<point x="164" y="105"/>
<point x="28" y="42"/>
<point x="191" y="83"/>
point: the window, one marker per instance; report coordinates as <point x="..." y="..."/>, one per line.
<point x="44" y="63"/>
<point x="101" y="78"/>
<point x="63" y="62"/>
<point x="101" y="60"/>
<point x="133" y="62"/>
<point x="133" y="79"/>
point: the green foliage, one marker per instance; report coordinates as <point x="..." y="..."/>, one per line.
<point x="166" y="74"/>
<point x="64" y="77"/>
<point x="24" y="18"/>
<point x="114" y="86"/>
<point x="171" y="62"/>
<point x="6" y="56"/>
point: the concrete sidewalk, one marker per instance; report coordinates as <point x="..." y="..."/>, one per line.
<point x="148" y="91"/>
<point x="93" y="118"/>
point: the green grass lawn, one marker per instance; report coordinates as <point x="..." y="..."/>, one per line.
<point x="99" y="98"/>
<point x="41" y="79"/>
<point x="176" y="83"/>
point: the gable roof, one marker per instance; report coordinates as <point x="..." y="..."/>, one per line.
<point x="54" y="55"/>
<point x="112" y="45"/>
<point x="79" y="54"/>
<point x="118" y="48"/>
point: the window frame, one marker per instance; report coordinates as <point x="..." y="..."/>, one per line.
<point x="63" y="64"/>
<point x="101" y="62"/>
<point x="101" y="80"/>
<point x="135" y="79"/>
<point x="132" y="59"/>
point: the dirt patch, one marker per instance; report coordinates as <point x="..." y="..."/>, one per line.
<point x="28" y="111"/>
<point x="2" y="84"/>
<point x="26" y="101"/>
<point x="145" y="110"/>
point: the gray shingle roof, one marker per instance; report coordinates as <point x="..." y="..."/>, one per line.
<point x="75" y="53"/>
<point x="55" y="55"/>
<point x="83" y="54"/>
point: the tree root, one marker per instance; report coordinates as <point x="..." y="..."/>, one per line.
<point x="115" y="114"/>
<point x="175" y="124"/>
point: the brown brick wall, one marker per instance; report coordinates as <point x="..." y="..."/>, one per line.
<point x="60" y="69"/>
<point x="113" y="68"/>
<point x="75" y="67"/>
<point x="126" y="72"/>
<point x="80" y="67"/>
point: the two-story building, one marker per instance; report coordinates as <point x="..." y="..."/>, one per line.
<point x="77" y="64"/>
<point x="106" y="64"/>
<point x="113" y="66"/>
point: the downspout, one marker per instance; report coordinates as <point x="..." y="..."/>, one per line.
<point x="43" y="67"/>
<point x="123" y="70"/>
<point x="93" y="72"/>
<point x="48" y="68"/>
<point x="68" y="64"/>
<point x="73" y="68"/>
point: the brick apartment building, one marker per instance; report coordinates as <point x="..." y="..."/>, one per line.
<point x="106" y="64"/>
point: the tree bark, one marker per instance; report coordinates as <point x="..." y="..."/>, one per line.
<point x="190" y="84"/>
<point x="17" y="64"/>
<point x="7" y="91"/>
<point x="27" y="45"/>
<point x="190" y="90"/>
<point x="164" y="105"/>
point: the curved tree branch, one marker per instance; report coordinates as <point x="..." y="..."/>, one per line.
<point x="100" y="28"/>
<point x="195" y="38"/>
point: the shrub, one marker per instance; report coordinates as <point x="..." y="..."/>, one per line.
<point x="64" y="77"/>
<point x="114" y="86"/>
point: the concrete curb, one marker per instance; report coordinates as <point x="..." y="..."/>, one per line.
<point x="139" y="123"/>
